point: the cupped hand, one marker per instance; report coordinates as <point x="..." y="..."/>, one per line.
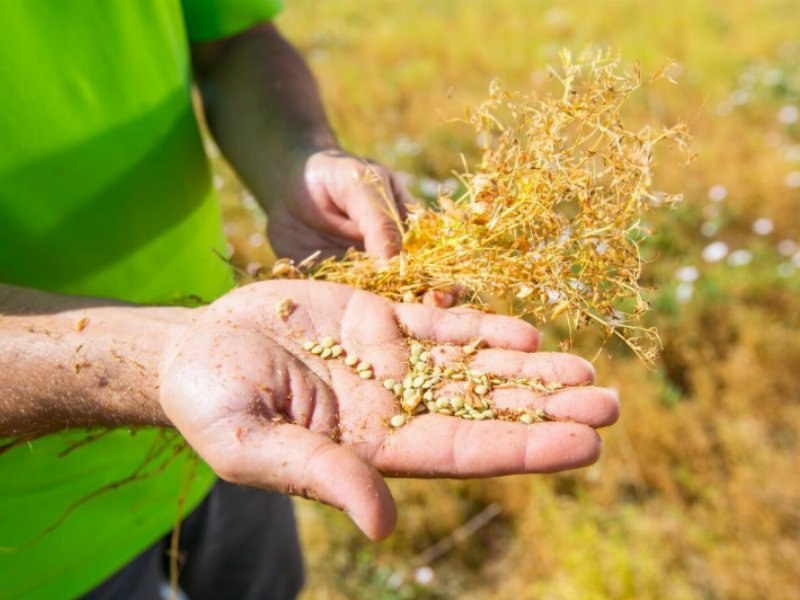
<point x="334" y="201"/>
<point x="263" y="411"/>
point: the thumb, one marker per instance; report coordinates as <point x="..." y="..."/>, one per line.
<point x="293" y="460"/>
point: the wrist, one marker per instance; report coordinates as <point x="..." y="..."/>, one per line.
<point x="74" y="362"/>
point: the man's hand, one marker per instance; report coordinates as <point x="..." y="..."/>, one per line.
<point x="334" y="201"/>
<point x="264" y="110"/>
<point x="235" y="380"/>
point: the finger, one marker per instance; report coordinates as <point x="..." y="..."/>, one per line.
<point x="374" y="217"/>
<point x="592" y="406"/>
<point x="449" y="327"/>
<point x="369" y="331"/>
<point x="443" y="298"/>
<point x="548" y="367"/>
<point x="293" y="460"/>
<point x="440" y="446"/>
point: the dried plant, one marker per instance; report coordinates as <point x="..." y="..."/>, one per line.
<point x="549" y="223"/>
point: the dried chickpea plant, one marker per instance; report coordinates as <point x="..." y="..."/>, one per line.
<point x="550" y="221"/>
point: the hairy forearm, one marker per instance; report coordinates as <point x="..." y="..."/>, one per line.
<point x="262" y="105"/>
<point x="67" y="361"/>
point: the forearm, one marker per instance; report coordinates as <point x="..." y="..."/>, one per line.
<point x="67" y="361"/>
<point x="262" y="105"/>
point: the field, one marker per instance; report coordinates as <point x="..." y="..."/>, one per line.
<point x="697" y="494"/>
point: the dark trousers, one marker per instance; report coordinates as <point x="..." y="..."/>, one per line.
<point x="240" y="543"/>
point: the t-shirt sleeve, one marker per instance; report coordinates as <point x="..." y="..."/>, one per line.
<point x="208" y="20"/>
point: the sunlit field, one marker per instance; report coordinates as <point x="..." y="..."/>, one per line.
<point x="697" y="494"/>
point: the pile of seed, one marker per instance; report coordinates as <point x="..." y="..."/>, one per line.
<point x="421" y="390"/>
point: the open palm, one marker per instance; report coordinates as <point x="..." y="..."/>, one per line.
<point x="263" y="411"/>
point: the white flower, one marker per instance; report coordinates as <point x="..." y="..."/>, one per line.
<point x="423" y="575"/>
<point x="717" y="193"/>
<point x="792" y="153"/>
<point x="787" y="247"/>
<point x="709" y="229"/>
<point x="451" y="184"/>
<point x="715" y="252"/>
<point x="687" y="274"/>
<point x="793" y="179"/>
<point x="249" y="201"/>
<point x="773" y="76"/>
<point x="788" y="114"/>
<point x="429" y="187"/>
<point x="763" y="226"/>
<point x="739" y="258"/>
<point x="405" y="145"/>
<point x="257" y="239"/>
<point x="739" y="97"/>
<point x="683" y="292"/>
<point x="406" y="178"/>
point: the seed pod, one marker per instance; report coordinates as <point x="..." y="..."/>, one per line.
<point x="317" y="349"/>
<point x="412" y="401"/>
<point x="365" y="374"/>
<point x="327" y="342"/>
<point x="326" y="353"/>
<point x="418" y="381"/>
<point x="457" y="402"/>
<point x="398" y="389"/>
<point x="336" y="351"/>
<point x="481" y="390"/>
<point x="308" y="345"/>
<point x="429" y="383"/>
<point x="389" y="384"/>
<point x="526" y="418"/>
<point x="351" y="361"/>
<point x="363" y="366"/>
<point x="397" y="420"/>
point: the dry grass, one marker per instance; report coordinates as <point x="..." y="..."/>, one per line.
<point x="549" y="221"/>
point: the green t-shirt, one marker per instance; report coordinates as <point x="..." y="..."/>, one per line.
<point x="104" y="191"/>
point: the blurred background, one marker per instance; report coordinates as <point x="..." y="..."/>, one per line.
<point x="697" y="494"/>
